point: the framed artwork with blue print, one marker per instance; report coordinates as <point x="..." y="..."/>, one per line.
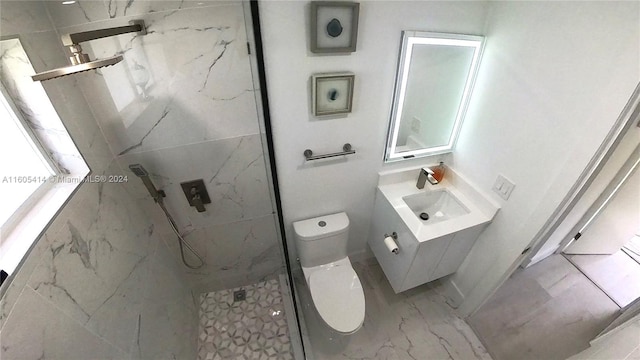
<point x="332" y="93"/>
<point x="334" y="26"/>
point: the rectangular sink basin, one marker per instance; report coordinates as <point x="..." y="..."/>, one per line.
<point x="438" y="205"/>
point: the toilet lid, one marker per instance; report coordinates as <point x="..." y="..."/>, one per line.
<point x="338" y="296"/>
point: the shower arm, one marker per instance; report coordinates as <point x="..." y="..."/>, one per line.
<point x="72" y="41"/>
<point x="136" y="26"/>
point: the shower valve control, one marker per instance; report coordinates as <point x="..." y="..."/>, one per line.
<point x="196" y="193"/>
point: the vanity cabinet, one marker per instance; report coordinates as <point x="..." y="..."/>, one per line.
<point x="417" y="262"/>
<point x="386" y="221"/>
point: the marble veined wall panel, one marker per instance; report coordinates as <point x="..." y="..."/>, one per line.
<point x="233" y="171"/>
<point x="98" y="282"/>
<point x="86" y="11"/>
<point x="96" y="270"/>
<point x="37" y="330"/>
<point x="187" y="80"/>
<point x="182" y="103"/>
<point x="236" y="254"/>
<point x="17" y="16"/>
<point x="95" y="265"/>
<point x="236" y="235"/>
<point x="169" y="312"/>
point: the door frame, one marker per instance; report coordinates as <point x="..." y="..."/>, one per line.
<point x="629" y="117"/>
<point x="602" y="202"/>
<point x="627" y="314"/>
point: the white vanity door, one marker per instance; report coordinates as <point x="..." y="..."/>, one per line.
<point x="386" y="221"/>
<point x="427" y="259"/>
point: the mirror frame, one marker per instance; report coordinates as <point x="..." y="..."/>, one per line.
<point x="409" y="39"/>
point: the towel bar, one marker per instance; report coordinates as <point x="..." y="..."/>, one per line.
<point x="346" y="150"/>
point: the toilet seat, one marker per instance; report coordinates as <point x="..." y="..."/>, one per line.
<point x="338" y="296"/>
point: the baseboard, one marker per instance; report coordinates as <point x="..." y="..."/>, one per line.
<point x="539" y="257"/>
<point x="361" y="256"/>
<point x="454" y="296"/>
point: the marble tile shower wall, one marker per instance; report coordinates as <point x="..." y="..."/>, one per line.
<point x="182" y="103"/>
<point x="100" y="282"/>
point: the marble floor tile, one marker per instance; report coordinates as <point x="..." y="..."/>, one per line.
<point x="253" y="328"/>
<point x="622" y="343"/>
<point x="618" y="274"/>
<point x="550" y="303"/>
<point x="416" y="324"/>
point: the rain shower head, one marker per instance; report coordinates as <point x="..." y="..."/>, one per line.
<point x="74" y="69"/>
<point x="80" y="61"/>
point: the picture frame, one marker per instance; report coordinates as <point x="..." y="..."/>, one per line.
<point x="332" y="93"/>
<point x="334" y="26"/>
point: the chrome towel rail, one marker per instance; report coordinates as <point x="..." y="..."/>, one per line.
<point x="346" y="150"/>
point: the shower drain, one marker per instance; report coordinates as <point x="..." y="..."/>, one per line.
<point x="239" y="295"/>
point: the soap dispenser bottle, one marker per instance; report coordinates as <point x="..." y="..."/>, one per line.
<point x="438" y="171"/>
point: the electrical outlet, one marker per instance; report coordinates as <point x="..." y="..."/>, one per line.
<point x="503" y="187"/>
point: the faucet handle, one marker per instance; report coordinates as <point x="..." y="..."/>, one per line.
<point x="429" y="175"/>
<point x="432" y="180"/>
<point x="428" y="171"/>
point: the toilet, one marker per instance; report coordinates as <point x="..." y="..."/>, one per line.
<point x="335" y="287"/>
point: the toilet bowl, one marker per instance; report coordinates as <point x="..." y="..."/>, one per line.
<point x="335" y="288"/>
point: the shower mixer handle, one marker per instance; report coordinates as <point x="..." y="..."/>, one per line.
<point x="196" y="194"/>
<point x="196" y="200"/>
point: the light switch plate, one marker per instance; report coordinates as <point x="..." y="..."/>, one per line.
<point x="503" y="187"/>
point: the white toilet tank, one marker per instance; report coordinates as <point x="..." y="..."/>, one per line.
<point x="322" y="240"/>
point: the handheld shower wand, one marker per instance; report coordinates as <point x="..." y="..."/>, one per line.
<point x="142" y="173"/>
<point x="157" y="196"/>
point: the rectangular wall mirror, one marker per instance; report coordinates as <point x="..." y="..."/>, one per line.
<point x="433" y="85"/>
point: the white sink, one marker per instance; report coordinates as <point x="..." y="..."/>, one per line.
<point x="435" y="206"/>
<point x="427" y="249"/>
<point x="452" y="205"/>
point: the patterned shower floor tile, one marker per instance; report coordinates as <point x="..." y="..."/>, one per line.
<point x="253" y="328"/>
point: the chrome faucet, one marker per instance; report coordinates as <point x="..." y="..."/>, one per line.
<point x="425" y="174"/>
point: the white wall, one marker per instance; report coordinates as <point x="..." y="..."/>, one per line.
<point x="553" y="80"/>
<point x="349" y="184"/>
<point x="621" y="154"/>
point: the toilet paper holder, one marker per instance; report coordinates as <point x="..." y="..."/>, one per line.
<point x="390" y="243"/>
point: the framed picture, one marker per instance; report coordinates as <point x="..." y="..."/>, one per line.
<point x="334" y="26"/>
<point x="331" y="93"/>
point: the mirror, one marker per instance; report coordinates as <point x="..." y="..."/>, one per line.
<point x="433" y="85"/>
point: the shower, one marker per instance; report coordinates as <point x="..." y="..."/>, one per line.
<point x="80" y="61"/>
<point x="157" y="196"/>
